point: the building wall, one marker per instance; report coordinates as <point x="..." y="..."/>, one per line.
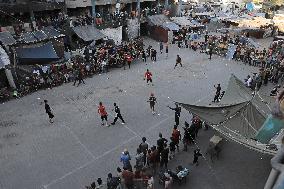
<point x="78" y="3"/>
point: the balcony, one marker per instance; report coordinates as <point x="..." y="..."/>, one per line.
<point x="78" y="3"/>
<point x="14" y="6"/>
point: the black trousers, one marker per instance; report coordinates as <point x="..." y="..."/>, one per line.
<point x="177" y="120"/>
<point x="120" y="117"/>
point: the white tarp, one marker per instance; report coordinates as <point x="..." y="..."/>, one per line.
<point x="4" y="58"/>
<point x="114" y="34"/>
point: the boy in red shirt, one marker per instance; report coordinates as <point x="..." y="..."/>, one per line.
<point x="103" y="113"/>
<point x="148" y="76"/>
<point x="176" y="136"/>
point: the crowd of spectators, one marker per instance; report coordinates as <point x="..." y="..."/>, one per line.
<point x="96" y="60"/>
<point x="151" y="161"/>
<point x="269" y="61"/>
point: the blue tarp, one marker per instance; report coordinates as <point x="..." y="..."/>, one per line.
<point x="250" y="6"/>
<point x="40" y="54"/>
<point x="269" y="129"/>
<point x="171" y="26"/>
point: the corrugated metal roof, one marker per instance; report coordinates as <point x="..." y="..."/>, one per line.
<point x="88" y="33"/>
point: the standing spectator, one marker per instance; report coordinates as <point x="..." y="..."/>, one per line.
<point x="143" y="146"/>
<point x="103" y="113"/>
<point x="148" y="76"/>
<point x="178" y="61"/>
<point x="176" y="137"/>
<point x="164" y="157"/>
<point x="129" y="60"/>
<point x="128" y="178"/>
<point x="139" y="160"/>
<point x="117" y="115"/>
<point x="48" y="111"/>
<point x="154" y="158"/>
<point x="177" y="110"/>
<point x="80" y="77"/>
<point x="161" y="47"/>
<point x="160" y="143"/>
<point x="196" y="156"/>
<point x="112" y="182"/>
<point x="119" y="175"/>
<point x="144" y="58"/>
<point x="76" y="75"/>
<point x="167" y="50"/>
<point x="125" y="159"/>
<point x="172" y="148"/>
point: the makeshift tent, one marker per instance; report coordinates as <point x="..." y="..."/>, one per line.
<point x="40" y="35"/>
<point x="39" y="54"/>
<point x="157" y="20"/>
<point x="4" y="58"/>
<point x="7" y="39"/>
<point x="28" y="37"/>
<point x="239" y="116"/>
<point x="171" y="26"/>
<point x="88" y="33"/>
<point x="250" y="6"/>
<point x="51" y="32"/>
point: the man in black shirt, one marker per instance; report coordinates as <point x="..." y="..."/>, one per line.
<point x="196" y="156"/>
<point x="117" y="114"/>
<point x="48" y="111"/>
<point x="164" y="157"/>
<point x="152" y="100"/>
<point x="218" y="92"/>
<point x="178" y="61"/>
<point x="161" y="142"/>
<point x="177" y="110"/>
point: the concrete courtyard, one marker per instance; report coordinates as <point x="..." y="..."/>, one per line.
<point x="75" y="150"/>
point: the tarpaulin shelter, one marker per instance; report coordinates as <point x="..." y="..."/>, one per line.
<point x="51" y="32"/>
<point x="171" y="26"/>
<point x="250" y="6"/>
<point x="7" y="39"/>
<point x="39" y="54"/>
<point x="159" y="27"/>
<point x="4" y="58"/>
<point x="88" y="33"/>
<point x="239" y="115"/>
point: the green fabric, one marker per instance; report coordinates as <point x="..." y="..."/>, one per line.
<point x="269" y="129"/>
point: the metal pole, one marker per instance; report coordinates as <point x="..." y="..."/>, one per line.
<point x="179" y="8"/>
<point x="138" y="9"/>
<point x="94" y="10"/>
<point x="166" y="4"/>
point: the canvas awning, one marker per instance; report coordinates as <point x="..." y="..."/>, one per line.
<point x="184" y="21"/>
<point x="238" y="113"/>
<point x="157" y="20"/>
<point x="4" y="58"/>
<point x="88" y="33"/>
<point x="7" y="39"/>
<point x="51" y="32"/>
<point x="28" y="38"/>
<point x="171" y="26"/>
<point x="39" y="54"/>
<point x="40" y="35"/>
